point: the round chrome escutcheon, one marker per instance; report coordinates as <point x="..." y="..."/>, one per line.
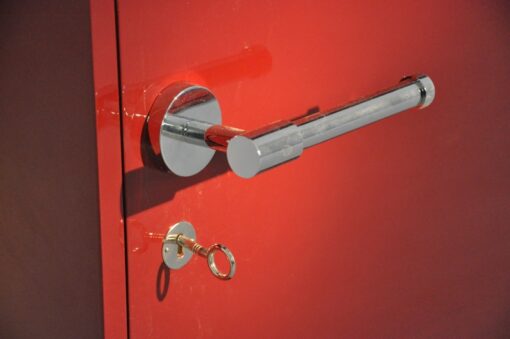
<point x="177" y="123"/>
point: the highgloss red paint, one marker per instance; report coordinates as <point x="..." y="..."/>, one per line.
<point x="399" y="229"/>
<point x="109" y="168"/>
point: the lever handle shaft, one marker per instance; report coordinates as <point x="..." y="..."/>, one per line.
<point x="252" y="152"/>
<point x="185" y="127"/>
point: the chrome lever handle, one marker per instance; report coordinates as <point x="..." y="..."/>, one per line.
<point x="185" y="127"/>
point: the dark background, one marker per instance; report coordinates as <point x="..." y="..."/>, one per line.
<point x="50" y="268"/>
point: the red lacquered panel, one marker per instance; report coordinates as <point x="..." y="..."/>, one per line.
<point x="109" y="152"/>
<point x="399" y="229"/>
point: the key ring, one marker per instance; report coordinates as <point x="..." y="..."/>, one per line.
<point x="211" y="251"/>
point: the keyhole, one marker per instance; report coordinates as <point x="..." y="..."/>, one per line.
<point x="180" y="252"/>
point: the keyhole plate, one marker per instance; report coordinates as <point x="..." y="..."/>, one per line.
<point x="170" y="251"/>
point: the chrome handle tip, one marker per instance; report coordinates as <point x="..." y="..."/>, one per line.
<point x="429" y="90"/>
<point x="243" y="157"/>
<point x="426" y="86"/>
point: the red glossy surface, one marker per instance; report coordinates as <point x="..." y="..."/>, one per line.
<point x="397" y="230"/>
<point x="109" y="168"/>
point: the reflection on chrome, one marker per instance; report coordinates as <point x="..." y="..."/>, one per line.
<point x="185" y="127"/>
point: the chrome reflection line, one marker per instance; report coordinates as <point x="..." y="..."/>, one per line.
<point x="192" y="120"/>
<point x="187" y="130"/>
<point x="217" y="136"/>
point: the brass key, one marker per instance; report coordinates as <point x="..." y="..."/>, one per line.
<point x="175" y="257"/>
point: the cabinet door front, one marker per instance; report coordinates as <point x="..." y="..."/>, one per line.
<point x="397" y="229"/>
